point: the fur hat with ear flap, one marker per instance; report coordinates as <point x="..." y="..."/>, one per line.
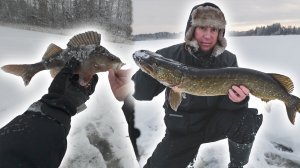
<point x="207" y="14"/>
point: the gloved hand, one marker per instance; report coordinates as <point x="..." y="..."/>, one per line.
<point x="65" y="92"/>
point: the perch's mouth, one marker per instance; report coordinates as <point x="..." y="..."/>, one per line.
<point x="119" y="66"/>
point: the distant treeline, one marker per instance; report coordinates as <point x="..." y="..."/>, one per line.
<point x="274" y="29"/>
<point x="155" y="36"/>
<point x="115" y="16"/>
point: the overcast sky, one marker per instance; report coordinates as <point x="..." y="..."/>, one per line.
<point x="171" y="15"/>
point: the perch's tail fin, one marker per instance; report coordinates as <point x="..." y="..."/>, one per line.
<point x="26" y="71"/>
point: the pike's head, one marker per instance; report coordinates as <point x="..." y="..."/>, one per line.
<point x="146" y="63"/>
<point x="162" y="69"/>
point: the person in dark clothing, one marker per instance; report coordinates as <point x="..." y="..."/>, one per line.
<point x="201" y="119"/>
<point x="37" y="138"/>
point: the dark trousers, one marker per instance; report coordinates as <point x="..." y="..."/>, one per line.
<point x="178" y="150"/>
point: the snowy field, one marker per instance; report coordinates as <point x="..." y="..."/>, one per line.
<point x="104" y="122"/>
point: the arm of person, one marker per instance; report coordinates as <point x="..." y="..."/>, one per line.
<point x="146" y="87"/>
<point x="37" y="138"/>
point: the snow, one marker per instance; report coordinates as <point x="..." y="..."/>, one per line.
<point x="140" y="54"/>
<point x="103" y="119"/>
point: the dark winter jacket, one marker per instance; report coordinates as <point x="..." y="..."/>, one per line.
<point x="194" y="111"/>
<point x="38" y="137"/>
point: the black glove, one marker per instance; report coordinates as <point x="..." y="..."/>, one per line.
<point x="65" y="92"/>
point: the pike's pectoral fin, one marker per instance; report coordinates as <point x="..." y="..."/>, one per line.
<point x="175" y="99"/>
<point x="51" y="51"/>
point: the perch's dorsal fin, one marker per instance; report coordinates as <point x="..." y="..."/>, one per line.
<point x="285" y="82"/>
<point x="51" y="51"/>
<point x="86" y="38"/>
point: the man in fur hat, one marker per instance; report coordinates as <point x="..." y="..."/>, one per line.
<point x="201" y="119"/>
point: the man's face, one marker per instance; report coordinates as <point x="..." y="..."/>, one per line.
<point x="206" y="37"/>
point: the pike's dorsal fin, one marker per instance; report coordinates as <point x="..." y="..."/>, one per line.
<point x="51" y="51"/>
<point x="285" y="81"/>
<point x="175" y="99"/>
<point x="86" y="38"/>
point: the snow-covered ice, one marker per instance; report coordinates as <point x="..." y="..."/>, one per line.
<point x="103" y="119"/>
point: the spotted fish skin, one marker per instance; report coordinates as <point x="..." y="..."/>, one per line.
<point x="213" y="82"/>
<point x="84" y="47"/>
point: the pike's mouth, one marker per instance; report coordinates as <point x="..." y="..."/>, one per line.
<point x="147" y="68"/>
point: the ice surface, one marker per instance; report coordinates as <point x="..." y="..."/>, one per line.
<point x="103" y="117"/>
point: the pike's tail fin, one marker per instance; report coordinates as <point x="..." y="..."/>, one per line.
<point x="292" y="107"/>
<point x="26" y="71"/>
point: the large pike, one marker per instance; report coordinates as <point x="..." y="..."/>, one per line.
<point x="213" y="82"/>
<point x="84" y="47"/>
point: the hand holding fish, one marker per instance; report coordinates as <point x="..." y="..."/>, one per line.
<point x="238" y="93"/>
<point x="120" y="83"/>
<point x="175" y="89"/>
<point x="65" y="92"/>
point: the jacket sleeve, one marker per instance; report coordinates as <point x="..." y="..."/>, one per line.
<point x="145" y="86"/>
<point x="224" y="102"/>
<point x="37" y="138"/>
